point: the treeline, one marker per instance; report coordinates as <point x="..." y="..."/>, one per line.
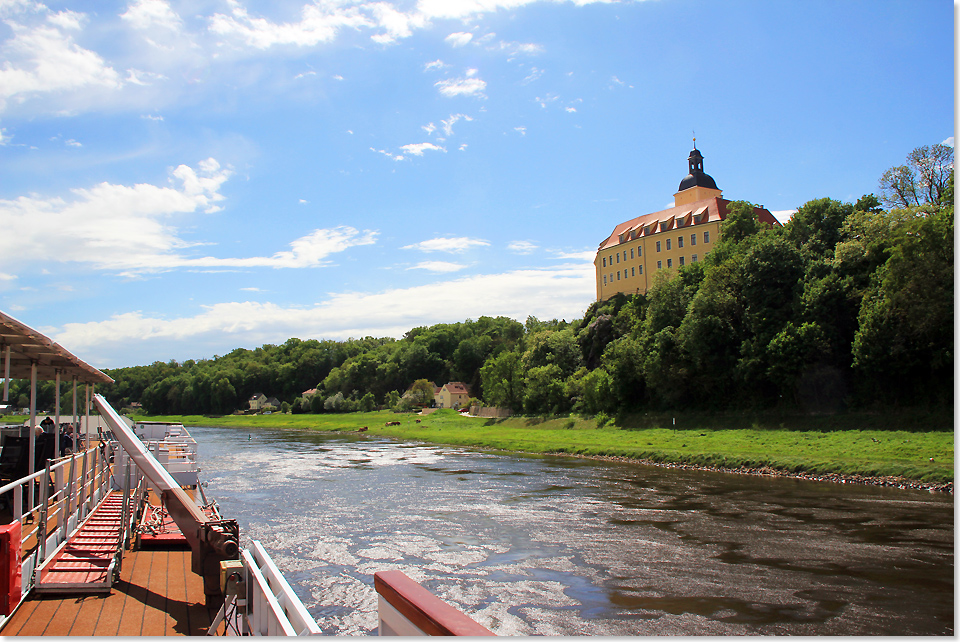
<point x="847" y="305"/>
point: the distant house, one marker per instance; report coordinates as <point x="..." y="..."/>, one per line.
<point x="271" y="404"/>
<point x="257" y="401"/>
<point x="306" y="394"/>
<point x="453" y="395"/>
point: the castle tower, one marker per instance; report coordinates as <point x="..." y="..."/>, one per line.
<point x="696" y="185"/>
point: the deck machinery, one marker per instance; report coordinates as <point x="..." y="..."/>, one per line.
<point x="211" y="540"/>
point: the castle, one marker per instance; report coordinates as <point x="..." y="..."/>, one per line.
<point x="628" y="258"/>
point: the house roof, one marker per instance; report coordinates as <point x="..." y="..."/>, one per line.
<point x="312" y="391"/>
<point x="457" y="387"/>
<point x="708" y="209"/>
<point x="27" y="346"/>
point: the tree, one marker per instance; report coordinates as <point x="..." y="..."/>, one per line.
<point x="922" y="180"/>
<point x="503" y="381"/>
<point x="368" y="402"/>
<point x="543" y="393"/>
<point x="421" y="392"/>
<point x="741" y="221"/>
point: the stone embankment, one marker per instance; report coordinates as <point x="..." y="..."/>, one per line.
<point x="866" y="480"/>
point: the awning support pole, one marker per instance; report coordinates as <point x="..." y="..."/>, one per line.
<point x="56" y="412"/>
<point x="33" y="422"/>
<point x="6" y="374"/>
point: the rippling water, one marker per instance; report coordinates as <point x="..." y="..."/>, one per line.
<point x="563" y="546"/>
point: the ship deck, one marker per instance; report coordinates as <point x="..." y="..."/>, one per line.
<point x="157" y="594"/>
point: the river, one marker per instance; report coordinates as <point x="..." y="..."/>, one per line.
<point x="566" y="546"/>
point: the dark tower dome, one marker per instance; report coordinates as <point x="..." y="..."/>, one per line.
<point x="696" y="177"/>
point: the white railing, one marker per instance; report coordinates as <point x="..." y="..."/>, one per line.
<point x="260" y="601"/>
<point x="272" y="606"/>
<point x="79" y="483"/>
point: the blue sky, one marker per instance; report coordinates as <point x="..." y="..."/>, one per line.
<point x="179" y="179"/>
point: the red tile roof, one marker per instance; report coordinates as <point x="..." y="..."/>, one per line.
<point x="714" y="208"/>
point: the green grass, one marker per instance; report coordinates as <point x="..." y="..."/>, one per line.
<point x="890" y="446"/>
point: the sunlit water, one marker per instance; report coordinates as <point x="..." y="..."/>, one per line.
<point x="563" y="546"/>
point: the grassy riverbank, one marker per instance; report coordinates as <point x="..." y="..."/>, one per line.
<point x="910" y="446"/>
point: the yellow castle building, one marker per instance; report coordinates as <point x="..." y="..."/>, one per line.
<point x="628" y="259"/>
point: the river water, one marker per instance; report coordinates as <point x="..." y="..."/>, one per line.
<point x="565" y="546"/>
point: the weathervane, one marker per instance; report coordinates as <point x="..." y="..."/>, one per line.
<point x="694" y="138"/>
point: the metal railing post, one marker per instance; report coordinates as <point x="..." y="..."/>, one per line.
<point x="42" y="526"/>
<point x="82" y="494"/>
<point x="69" y="509"/>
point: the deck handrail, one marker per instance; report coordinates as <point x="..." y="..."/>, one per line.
<point x="406" y="608"/>
<point x="77" y="491"/>
<point x="268" y="590"/>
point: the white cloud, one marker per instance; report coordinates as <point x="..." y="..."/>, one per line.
<point x="522" y="247"/>
<point x="438" y="267"/>
<point x="948" y="142"/>
<point x="390" y="155"/>
<point x="520" y="130"/>
<point x="534" y="74"/>
<point x="129" y="229"/>
<point x="447" y="244"/>
<point x="559" y="292"/>
<point x="44" y="59"/>
<point x="395" y="23"/>
<point x="417" y="149"/>
<point x="317" y="24"/>
<point x="72" y="143"/>
<point x="251" y="290"/>
<point x="458" y="39"/>
<point x="571" y="110"/>
<point x="151" y="14"/>
<point x="470" y="86"/>
<point x="436" y="64"/>
<point x="429" y="128"/>
<point x="450" y="122"/>
<point x="152" y="117"/>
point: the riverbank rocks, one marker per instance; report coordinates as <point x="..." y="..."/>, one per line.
<point x="766" y="471"/>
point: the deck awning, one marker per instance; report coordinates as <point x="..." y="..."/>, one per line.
<point x="27" y="346"/>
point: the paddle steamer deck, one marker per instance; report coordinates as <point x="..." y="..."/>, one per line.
<point x="157" y="594"/>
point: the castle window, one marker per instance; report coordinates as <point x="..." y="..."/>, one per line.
<point x="681" y="260"/>
<point x="604" y="261"/>
<point x="663" y="226"/>
<point x="669" y="263"/>
<point x="618" y="275"/>
<point x="679" y="242"/>
<point x="659" y="265"/>
<point x="618" y="257"/>
<point x="624" y="256"/>
<point x="693" y="239"/>
<point x="706" y="237"/>
<point x="633" y="271"/>
<point x="604" y="279"/>
<point x="631" y="252"/>
<point x="693" y="259"/>
<point x="668" y="244"/>
<point x="658" y="246"/>
<point x="639" y="250"/>
<point x="641" y="269"/>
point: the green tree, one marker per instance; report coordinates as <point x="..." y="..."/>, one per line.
<point x="368" y="403"/>
<point x="543" y="393"/>
<point x="503" y="381"/>
<point x="421" y="392"/>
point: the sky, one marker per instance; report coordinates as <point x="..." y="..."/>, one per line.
<point x="180" y="179"/>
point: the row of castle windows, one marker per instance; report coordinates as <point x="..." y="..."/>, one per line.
<point x="633" y="270"/>
<point x="693" y="241"/>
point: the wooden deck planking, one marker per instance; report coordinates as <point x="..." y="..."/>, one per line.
<point x="156" y="594"/>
